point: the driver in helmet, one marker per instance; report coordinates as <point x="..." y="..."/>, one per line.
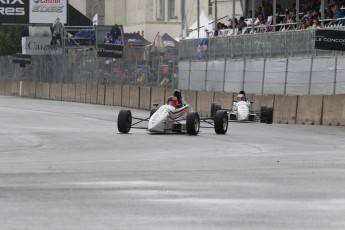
<point x="241" y="96"/>
<point x="178" y="95"/>
<point x="173" y="101"/>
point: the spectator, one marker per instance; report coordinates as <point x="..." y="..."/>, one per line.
<point x="56" y="30"/>
<point x="108" y="39"/>
<point x="316" y="24"/>
<point x="338" y="14"/>
<point x="115" y="32"/>
<point x="118" y="40"/>
<point x="241" y="24"/>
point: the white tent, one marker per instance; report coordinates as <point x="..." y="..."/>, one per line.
<point x="204" y="25"/>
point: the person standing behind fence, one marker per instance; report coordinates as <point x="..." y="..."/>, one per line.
<point x="56" y="29"/>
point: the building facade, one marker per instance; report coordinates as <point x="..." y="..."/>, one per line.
<point x="149" y="17"/>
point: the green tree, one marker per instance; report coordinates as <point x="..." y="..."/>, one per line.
<point x="10" y="39"/>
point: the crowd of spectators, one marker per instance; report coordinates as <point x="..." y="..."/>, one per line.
<point x="309" y="16"/>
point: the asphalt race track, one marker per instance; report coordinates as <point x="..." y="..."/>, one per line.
<point x="64" y="165"/>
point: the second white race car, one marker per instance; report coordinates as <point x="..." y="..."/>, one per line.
<point x="241" y="112"/>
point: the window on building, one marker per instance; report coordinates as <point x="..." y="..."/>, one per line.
<point x="160" y="10"/>
<point x="172" y="9"/>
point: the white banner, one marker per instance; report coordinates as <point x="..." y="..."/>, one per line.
<point x="46" y="11"/>
<point x="39" y="45"/>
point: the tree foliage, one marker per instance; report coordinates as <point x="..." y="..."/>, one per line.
<point x="10" y="39"/>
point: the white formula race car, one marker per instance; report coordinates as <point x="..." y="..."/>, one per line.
<point x="241" y="112"/>
<point x="168" y="119"/>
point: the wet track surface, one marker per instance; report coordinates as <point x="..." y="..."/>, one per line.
<point x="65" y="166"/>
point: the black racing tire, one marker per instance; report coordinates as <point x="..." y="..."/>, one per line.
<point x="269" y="115"/>
<point x="153" y="111"/>
<point x="193" y="123"/>
<point x="263" y="114"/>
<point x="221" y="122"/>
<point x="124" y="121"/>
<point x="213" y="105"/>
<point x="214" y="108"/>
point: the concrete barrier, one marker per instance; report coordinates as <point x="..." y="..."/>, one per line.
<point x="64" y="92"/>
<point x="134" y="97"/>
<point x="157" y="97"/>
<point x="42" y="90"/>
<point x="2" y="88"/>
<point x="71" y="92"/>
<point x="203" y="103"/>
<point x="168" y="93"/>
<point x="88" y="93"/>
<point x="94" y="94"/>
<point x="145" y="98"/>
<point x="125" y="96"/>
<point x="109" y="94"/>
<point x="80" y="92"/>
<point x="29" y="89"/>
<point x="101" y="94"/>
<point x="55" y="91"/>
<point x="262" y="100"/>
<point x="285" y="109"/>
<point x="191" y="98"/>
<point x="224" y="99"/>
<point x="15" y="88"/>
<point x="117" y="95"/>
<point x="309" y="110"/>
<point x="333" y="112"/>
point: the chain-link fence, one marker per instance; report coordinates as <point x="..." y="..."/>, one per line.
<point x="262" y="45"/>
<point x="86" y="67"/>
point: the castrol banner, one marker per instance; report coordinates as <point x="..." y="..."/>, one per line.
<point x="32" y="11"/>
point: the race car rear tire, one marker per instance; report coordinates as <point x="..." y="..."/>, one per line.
<point x="213" y="105"/>
<point x="263" y="114"/>
<point x="193" y="123"/>
<point x="269" y="115"/>
<point x="214" y="108"/>
<point x="221" y="122"/>
<point x="153" y="111"/>
<point x="124" y="121"/>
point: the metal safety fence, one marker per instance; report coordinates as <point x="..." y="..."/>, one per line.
<point x="86" y="67"/>
<point x="290" y="43"/>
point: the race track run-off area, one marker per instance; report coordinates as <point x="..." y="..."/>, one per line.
<point x="64" y="165"/>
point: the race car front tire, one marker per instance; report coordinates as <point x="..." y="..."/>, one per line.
<point x="124" y="121"/>
<point x="221" y="122"/>
<point x="193" y="123"/>
<point x="269" y="115"/>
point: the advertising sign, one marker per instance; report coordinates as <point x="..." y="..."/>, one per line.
<point x="110" y="51"/>
<point x="32" y="11"/>
<point x="106" y="48"/>
<point x="14" y="11"/>
<point x="330" y="40"/>
<point x="46" y="11"/>
<point x="39" y="46"/>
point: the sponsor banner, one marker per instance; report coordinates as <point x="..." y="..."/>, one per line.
<point x="46" y="11"/>
<point x="33" y="11"/>
<point x="39" y="46"/>
<point x="14" y="11"/>
<point x="109" y="50"/>
<point x="330" y="40"/>
<point x="22" y="59"/>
